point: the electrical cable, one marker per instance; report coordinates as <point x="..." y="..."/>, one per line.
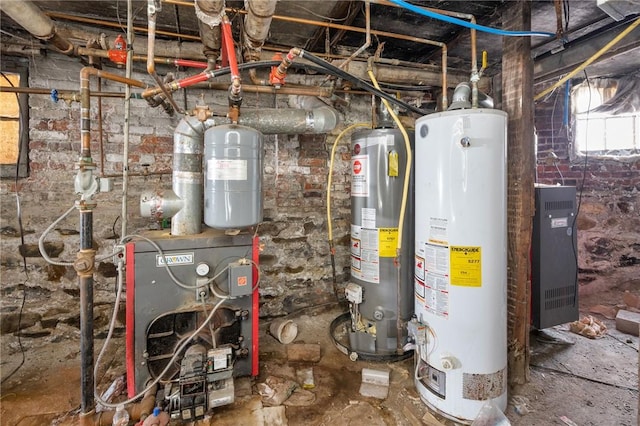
<point x="213" y="336"/>
<point x="574" y="225"/>
<point x="170" y="272"/>
<point x="46" y="232"/>
<point x="567" y="373"/>
<point x="460" y="22"/>
<point x="329" y="180"/>
<point x="19" y="215"/>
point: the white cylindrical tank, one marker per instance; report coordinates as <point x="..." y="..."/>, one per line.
<point x="461" y="260"/>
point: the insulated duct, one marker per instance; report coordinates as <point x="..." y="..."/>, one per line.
<point x="256" y="26"/>
<point x="188" y="147"/>
<point x="209" y="13"/>
<point x="32" y="19"/>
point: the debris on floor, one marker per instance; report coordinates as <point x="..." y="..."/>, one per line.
<point x="375" y="383"/>
<point x="609" y="312"/>
<point x="490" y="415"/>
<point x="275" y="390"/>
<point x="589" y="327"/>
<point x="628" y="322"/>
<point x="303" y="352"/>
<point x="521" y="405"/>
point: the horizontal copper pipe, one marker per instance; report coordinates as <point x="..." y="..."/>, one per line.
<point x="71" y="94"/>
<point x="104" y="23"/>
<point x="288" y="90"/>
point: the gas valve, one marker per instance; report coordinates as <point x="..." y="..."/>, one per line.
<point x="118" y="54"/>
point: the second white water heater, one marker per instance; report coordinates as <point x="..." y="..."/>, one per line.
<point x="460" y="272"/>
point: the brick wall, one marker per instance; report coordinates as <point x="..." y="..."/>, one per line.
<point x="609" y="219"/>
<point x="296" y="269"/>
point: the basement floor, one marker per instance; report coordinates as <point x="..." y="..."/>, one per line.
<point x="573" y="378"/>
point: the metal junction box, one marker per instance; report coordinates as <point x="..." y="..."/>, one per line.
<point x="554" y="280"/>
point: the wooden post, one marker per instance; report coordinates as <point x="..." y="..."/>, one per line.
<point x="517" y="101"/>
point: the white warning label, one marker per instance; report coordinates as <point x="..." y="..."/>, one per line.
<point x="226" y="169"/>
<point x="365" y="256"/>
<point x="360" y="176"/>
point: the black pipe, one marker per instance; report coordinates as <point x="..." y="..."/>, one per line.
<point x="85" y="281"/>
<point x="358" y="82"/>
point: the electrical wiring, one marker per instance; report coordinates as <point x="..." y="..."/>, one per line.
<point x="46" y="232"/>
<point x="462" y="23"/>
<point x="170" y="272"/>
<point x="19" y="215"/>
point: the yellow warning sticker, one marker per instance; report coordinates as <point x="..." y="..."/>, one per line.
<point x="466" y="266"/>
<point x="387" y="242"/>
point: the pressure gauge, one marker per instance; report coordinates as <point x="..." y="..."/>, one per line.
<point x="202" y="269"/>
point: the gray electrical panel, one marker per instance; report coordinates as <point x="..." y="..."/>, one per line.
<point x="554" y="254"/>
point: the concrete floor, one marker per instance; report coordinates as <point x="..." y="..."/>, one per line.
<point x="591" y="382"/>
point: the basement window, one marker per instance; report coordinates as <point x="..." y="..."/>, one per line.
<point x="14" y="123"/>
<point x="607" y="117"/>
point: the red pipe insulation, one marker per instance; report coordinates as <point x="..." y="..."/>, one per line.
<point x="190" y="64"/>
<point x="227" y="38"/>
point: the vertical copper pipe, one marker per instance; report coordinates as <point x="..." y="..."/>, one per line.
<point x="85" y="102"/>
<point x="474" y="68"/>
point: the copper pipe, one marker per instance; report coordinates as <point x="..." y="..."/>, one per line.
<point x="85" y="102"/>
<point x="298" y="90"/>
<point x="474" y="59"/>
<point x="70" y="95"/>
<point x="195" y="38"/>
<point x="73" y="18"/>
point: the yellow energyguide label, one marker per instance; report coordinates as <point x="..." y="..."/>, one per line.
<point x="387" y="242"/>
<point x="465" y="266"/>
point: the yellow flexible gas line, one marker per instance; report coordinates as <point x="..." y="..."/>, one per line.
<point x="329" y="179"/>
<point x="407" y="169"/>
<point x="588" y="62"/>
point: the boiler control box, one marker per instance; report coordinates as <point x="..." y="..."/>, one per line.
<point x="240" y="279"/>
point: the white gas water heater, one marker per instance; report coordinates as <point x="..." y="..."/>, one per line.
<point x="460" y="272"/>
